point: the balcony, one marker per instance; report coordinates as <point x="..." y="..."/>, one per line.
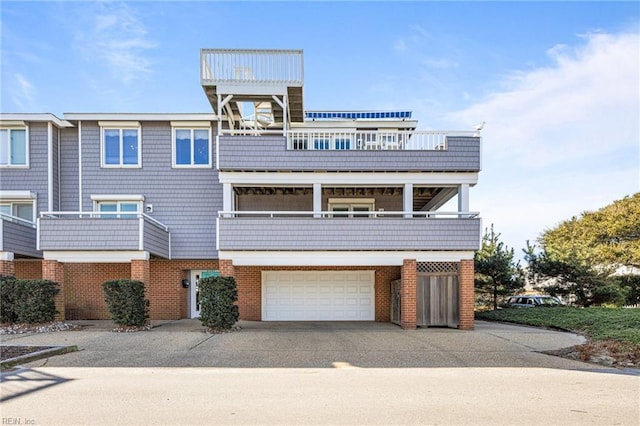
<point x="259" y="77"/>
<point x="332" y="150"/>
<point x="18" y="236"/>
<point x="327" y="231"/>
<point x="92" y="231"/>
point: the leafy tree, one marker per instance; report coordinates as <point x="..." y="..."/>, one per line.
<point x="608" y="236"/>
<point x="570" y="275"/>
<point x="495" y="269"/>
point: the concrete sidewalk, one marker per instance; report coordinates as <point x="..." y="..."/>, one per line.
<point x="306" y="345"/>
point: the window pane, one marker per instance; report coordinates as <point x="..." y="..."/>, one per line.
<point x="24" y="211"/>
<point x="183" y="146"/>
<point x="201" y="147"/>
<point x="130" y="146"/>
<point x="4" y="147"/>
<point x="128" y="207"/>
<point x="18" y="147"/>
<point x="112" y="146"/>
<point x="5" y="209"/>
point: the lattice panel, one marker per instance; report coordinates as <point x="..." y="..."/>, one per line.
<point x="438" y="267"/>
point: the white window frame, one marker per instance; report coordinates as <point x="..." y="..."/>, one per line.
<point x="9" y="129"/>
<point x="118" y="200"/>
<point x="120" y="126"/>
<point x="20" y="197"/>
<point x="191" y="126"/>
<point x="350" y="204"/>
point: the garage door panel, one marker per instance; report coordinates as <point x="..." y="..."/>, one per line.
<point x="318" y="295"/>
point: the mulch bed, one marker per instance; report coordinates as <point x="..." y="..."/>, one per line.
<point x="8" y="352"/>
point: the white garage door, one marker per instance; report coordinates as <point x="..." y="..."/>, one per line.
<point x="318" y="296"/>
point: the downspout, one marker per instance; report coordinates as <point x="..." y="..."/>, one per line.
<point x="50" y="166"/>
<point x="80" y="166"/>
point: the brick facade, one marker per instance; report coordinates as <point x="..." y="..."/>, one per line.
<point x="28" y="269"/>
<point x="466" y="294"/>
<point x="54" y="271"/>
<point x="409" y="294"/>
<point x="7" y="268"/>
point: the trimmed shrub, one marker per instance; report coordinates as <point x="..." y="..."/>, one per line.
<point x="126" y="302"/>
<point x="27" y="301"/>
<point x="218" y="297"/>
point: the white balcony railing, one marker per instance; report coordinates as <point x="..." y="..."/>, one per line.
<point x="345" y="214"/>
<point x="104" y="215"/>
<point x="18" y="220"/>
<point x="251" y="66"/>
<point x="370" y="140"/>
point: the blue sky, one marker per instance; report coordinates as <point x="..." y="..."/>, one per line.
<point x="558" y="83"/>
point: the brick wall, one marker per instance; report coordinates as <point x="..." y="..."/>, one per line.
<point x="249" y="281"/>
<point x="84" y="298"/>
<point x="7" y="267"/>
<point x="28" y="269"/>
<point x="54" y="271"/>
<point x="168" y="299"/>
<point x="408" y="290"/>
<point x="466" y="292"/>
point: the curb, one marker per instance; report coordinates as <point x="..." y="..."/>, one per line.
<point x="34" y="356"/>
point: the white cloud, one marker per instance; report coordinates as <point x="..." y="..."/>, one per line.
<point x="560" y="140"/>
<point x="114" y="38"/>
<point x="23" y="93"/>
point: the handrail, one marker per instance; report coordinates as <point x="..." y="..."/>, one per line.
<point x="252" y="66"/>
<point x="344" y="214"/>
<point x="16" y="219"/>
<point x="100" y="215"/>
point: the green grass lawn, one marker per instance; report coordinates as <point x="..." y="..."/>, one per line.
<point x="597" y="324"/>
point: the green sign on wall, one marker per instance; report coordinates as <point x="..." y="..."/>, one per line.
<point x="208" y="274"/>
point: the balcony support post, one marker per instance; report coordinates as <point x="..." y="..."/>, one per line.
<point x="54" y="271"/>
<point x="227" y="198"/>
<point x="463" y="198"/>
<point x="409" y="294"/>
<point x="317" y="200"/>
<point x="408" y="199"/>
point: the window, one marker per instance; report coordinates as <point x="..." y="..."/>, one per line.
<point x="20" y="209"/>
<point x="120" y="145"/>
<point x="14" y="147"/>
<point x="191" y="147"/>
<point x="118" y="206"/>
<point x="321" y="143"/>
<point x="351" y="207"/>
<point x="343" y="143"/>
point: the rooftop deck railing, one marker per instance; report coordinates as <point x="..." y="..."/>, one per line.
<point x="369" y="140"/>
<point x="251" y="66"/>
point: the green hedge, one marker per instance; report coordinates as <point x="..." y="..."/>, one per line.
<point x="27" y="301"/>
<point x="218" y="297"/>
<point x="126" y="302"/>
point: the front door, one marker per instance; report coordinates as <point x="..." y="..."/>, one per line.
<point x="194" y="299"/>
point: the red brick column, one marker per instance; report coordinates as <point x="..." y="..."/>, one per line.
<point x="226" y="268"/>
<point x="140" y="271"/>
<point x="467" y="299"/>
<point x="54" y="271"/>
<point x="7" y="267"/>
<point x="409" y="304"/>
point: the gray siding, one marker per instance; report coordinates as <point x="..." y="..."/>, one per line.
<point x="186" y="200"/>
<point x="88" y="234"/>
<point x="35" y="177"/>
<point x="349" y="234"/>
<point x="69" y="170"/>
<point x="18" y="239"/>
<point x="250" y="153"/>
<point x="156" y="241"/>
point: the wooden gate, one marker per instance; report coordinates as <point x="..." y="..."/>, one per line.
<point x="437" y="300"/>
<point x="395" y="301"/>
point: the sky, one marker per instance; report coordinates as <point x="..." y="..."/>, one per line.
<point x="557" y="83"/>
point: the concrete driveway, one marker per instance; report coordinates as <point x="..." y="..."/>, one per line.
<point x="306" y="345"/>
<point x="479" y="379"/>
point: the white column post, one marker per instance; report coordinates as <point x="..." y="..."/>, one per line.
<point x="463" y="198"/>
<point x="407" y="195"/>
<point x="227" y="198"/>
<point x="317" y="199"/>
